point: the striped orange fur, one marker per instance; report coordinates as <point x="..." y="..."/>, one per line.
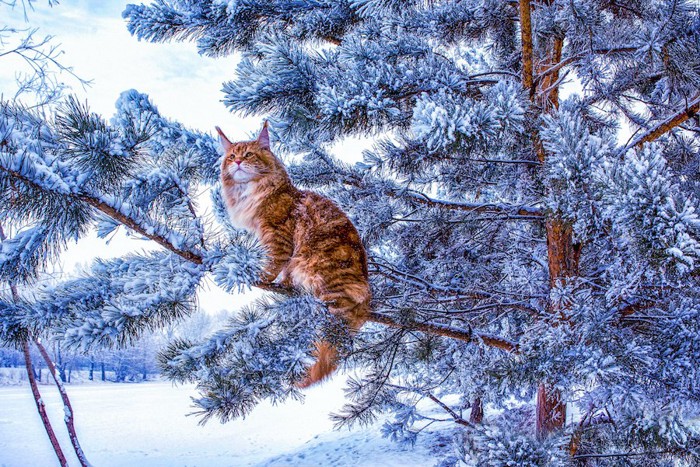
<point x="310" y="242"/>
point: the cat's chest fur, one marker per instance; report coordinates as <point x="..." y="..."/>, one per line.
<point x="242" y="201"/>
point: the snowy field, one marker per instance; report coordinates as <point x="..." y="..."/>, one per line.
<point x="146" y="425"/>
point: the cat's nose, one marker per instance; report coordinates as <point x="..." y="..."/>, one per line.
<point x="239" y="163"/>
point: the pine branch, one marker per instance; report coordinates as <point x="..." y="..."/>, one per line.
<point x="667" y="125"/>
<point x="37" y="395"/>
<point x="512" y="211"/>
<point x="436" y="329"/>
<point x="554" y="68"/>
<point x="423" y="284"/>
<point x="136" y="227"/>
<point x="117" y="215"/>
<point x="459" y="420"/>
<point x="528" y="212"/>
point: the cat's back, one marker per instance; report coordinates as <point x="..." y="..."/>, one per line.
<point x="324" y="227"/>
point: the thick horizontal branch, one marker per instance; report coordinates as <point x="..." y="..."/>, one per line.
<point x="690" y="110"/>
<point x="277" y="288"/>
<point x="436" y="329"/>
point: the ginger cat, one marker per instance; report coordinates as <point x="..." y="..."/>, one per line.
<point x="310" y="242"/>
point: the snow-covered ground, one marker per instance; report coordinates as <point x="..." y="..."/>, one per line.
<point x="146" y="425"/>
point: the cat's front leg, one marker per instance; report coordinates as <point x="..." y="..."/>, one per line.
<point x="279" y="252"/>
<point x="275" y="271"/>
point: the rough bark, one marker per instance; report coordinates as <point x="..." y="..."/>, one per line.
<point x="563" y="255"/>
<point x="551" y="411"/>
<point x="691" y="109"/>
<point x="526" y="40"/>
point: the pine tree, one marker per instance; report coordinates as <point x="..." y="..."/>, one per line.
<point x="523" y="255"/>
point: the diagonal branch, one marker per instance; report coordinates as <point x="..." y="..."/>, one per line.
<point x="459" y="420"/>
<point x="117" y="215"/>
<point x="40" y="405"/>
<point x="67" y="408"/>
<point x="690" y="110"/>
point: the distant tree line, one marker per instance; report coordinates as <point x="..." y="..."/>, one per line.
<point x="135" y="363"/>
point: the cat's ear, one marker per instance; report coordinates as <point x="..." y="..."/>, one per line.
<point x="264" y="137"/>
<point x="225" y="143"/>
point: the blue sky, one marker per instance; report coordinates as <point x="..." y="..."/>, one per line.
<point x="184" y="85"/>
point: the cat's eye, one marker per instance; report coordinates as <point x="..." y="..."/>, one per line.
<point x="247" y="155"/>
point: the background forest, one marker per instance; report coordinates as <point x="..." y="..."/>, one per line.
<point x="528" y="203"/>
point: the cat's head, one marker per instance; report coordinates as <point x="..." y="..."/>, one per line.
<point x="249" y="161"/>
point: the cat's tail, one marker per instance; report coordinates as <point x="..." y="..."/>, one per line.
<point x="326" y="353"/>
<point x="326" y="363"/>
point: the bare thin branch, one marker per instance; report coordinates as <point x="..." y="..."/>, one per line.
<point x="459" y="420"/>
<point x="41" y="406"/>
<point x="68" y="409"/>
<point x="496" y="208"/>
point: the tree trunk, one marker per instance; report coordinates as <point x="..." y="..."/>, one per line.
<point x="562" y="253"/>
<point x="477" y="414"/>
<point x="550" y="412"/>
<point x="102" y="367"/>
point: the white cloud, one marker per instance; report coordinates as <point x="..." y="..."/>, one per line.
<point x="185" y="87"/>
